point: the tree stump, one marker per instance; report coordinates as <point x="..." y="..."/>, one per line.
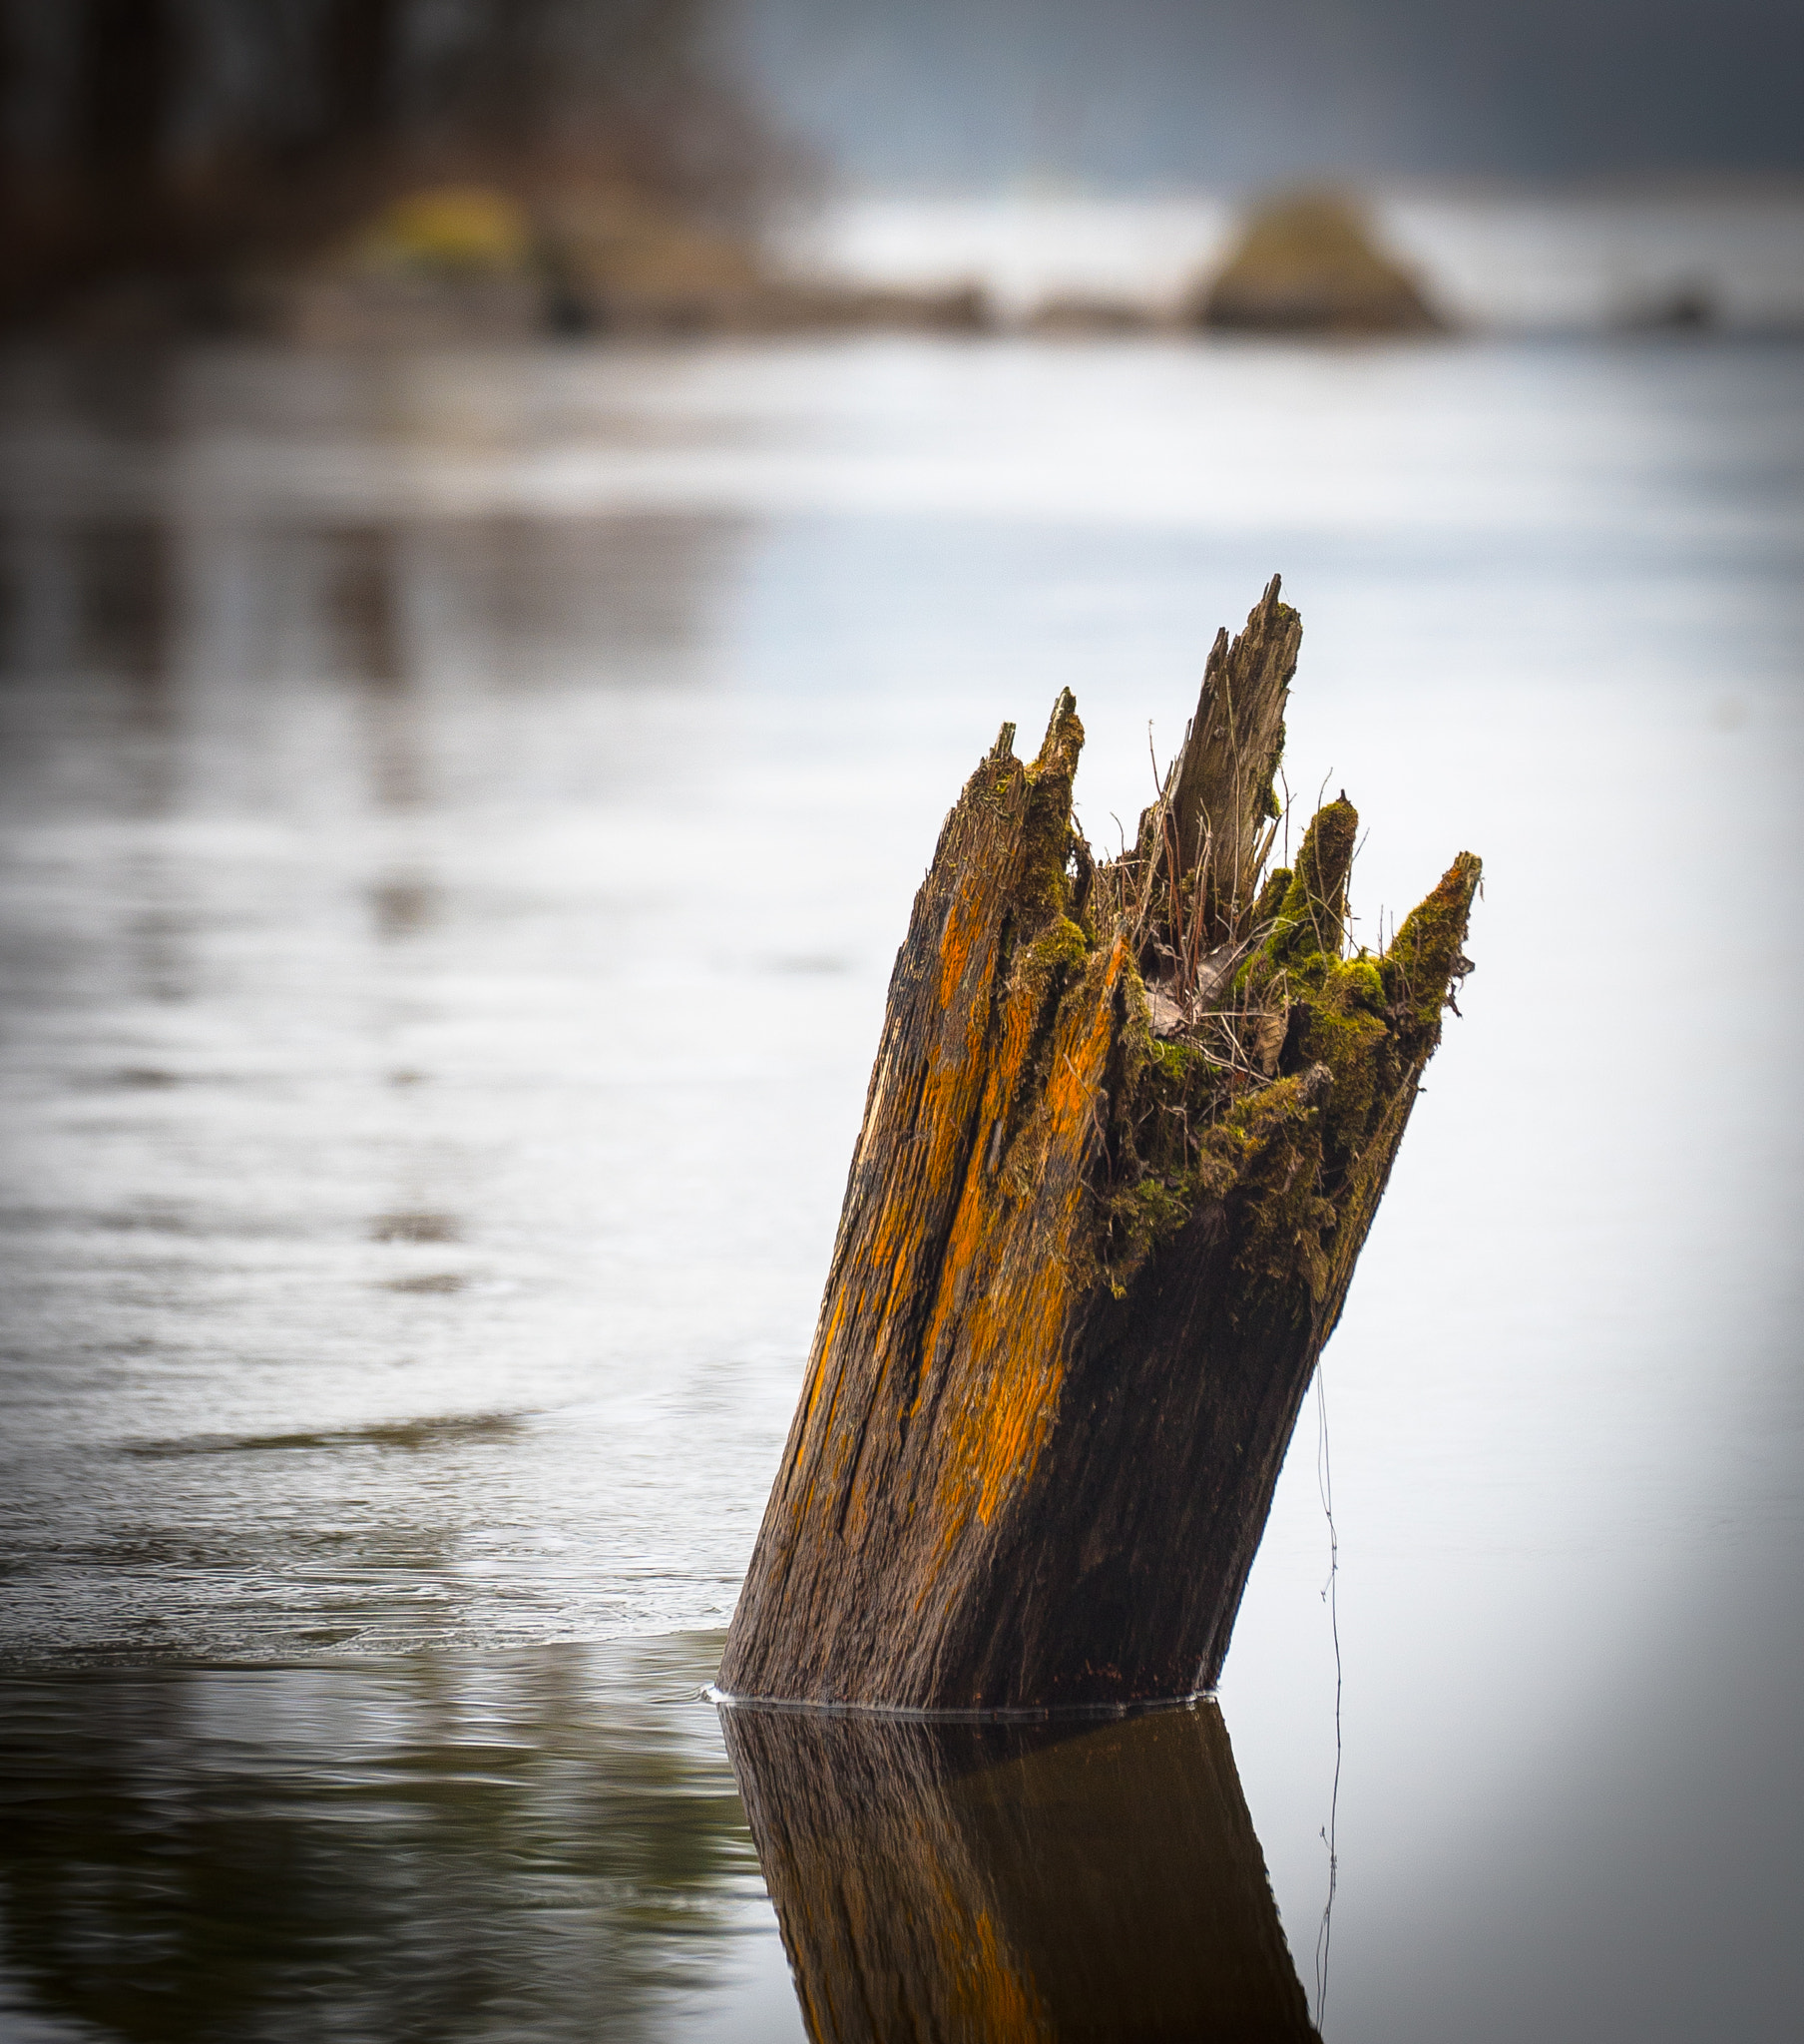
<point x="977" y="1881"/>
<point x="1126" y="1130"/>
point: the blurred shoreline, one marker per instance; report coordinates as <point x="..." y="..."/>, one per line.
<point x="1497" y="258"/>
<point x="463" y="267"/>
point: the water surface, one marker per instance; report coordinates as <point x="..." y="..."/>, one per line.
<point x="458" y="813"/>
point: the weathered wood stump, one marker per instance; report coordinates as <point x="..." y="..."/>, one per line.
<point x="1128" y="1128"/>
<point x="973" y="1882"/>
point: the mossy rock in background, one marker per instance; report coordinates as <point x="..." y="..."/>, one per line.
<point x="475" y="262"/>
<point x="448" y="230"/>
<point x="1308" y="263"/>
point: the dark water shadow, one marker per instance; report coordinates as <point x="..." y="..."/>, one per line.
<point x="977" y="1881"/>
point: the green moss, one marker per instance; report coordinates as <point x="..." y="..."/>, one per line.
<point x="1352" y="985"/>
<point x="1176" y="1062"/>
<point x="1265" y="1154"/>
<point x="1352" y="1047"/>
<point x="1194" y="1133"/>
<point x="1291" y="1165"/>
<point x="1426" y="955"/>
<point x="1313" y="913"/>
<point x="1058" y="948"/>
<point x="1271" y="896"/>
<point x="1152" y="1209"/>
<point x="1047" y="830"/>
<point x="1299" y="1152"/>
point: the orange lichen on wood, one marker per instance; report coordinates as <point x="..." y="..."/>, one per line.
<point x="995" y="1345"/>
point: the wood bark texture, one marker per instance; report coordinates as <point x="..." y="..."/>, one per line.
<point x="1126" y="1134"/>
<point x="975" y="1881"/>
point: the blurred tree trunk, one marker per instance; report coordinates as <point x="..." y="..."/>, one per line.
<point x="297" y="118"/>
<point x="126" y="75"/>
<point x="360" y="66"/>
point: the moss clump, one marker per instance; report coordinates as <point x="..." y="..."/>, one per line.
<point x="1057" y="949"/>
<point x="1049" y="942"/>
<point x="1313" y="915"/>
<point x="1147" y="1212"/>
<point x="1271" y="896"/>
<point x="1043" y="889"/>
<point x="1270" y="1108"/>
<point x="1176" y="1063"/>
<point x="1283" y="1101"/>
<point x="1272" y="1143"/>
<point x="1426" y="962"/>
<point x="1352" y="1047"/>
<point x="1352" y="985"/>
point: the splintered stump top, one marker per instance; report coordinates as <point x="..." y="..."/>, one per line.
<point x="1126" y="1133"/>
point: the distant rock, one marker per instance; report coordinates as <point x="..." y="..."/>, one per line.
<point x="1307" y="264"/>
<point x="1684" y="309"/>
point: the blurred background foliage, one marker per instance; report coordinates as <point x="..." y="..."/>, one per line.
<point x="345" y="169"/>
<point x="165" y="157"/>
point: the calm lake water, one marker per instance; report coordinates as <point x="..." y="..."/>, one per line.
<point x="458" y="816"/>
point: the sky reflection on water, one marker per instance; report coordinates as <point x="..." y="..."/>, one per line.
<point x="458" y="816"/>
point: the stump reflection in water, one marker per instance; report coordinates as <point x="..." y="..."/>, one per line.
<point x="994" y="1880"/>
